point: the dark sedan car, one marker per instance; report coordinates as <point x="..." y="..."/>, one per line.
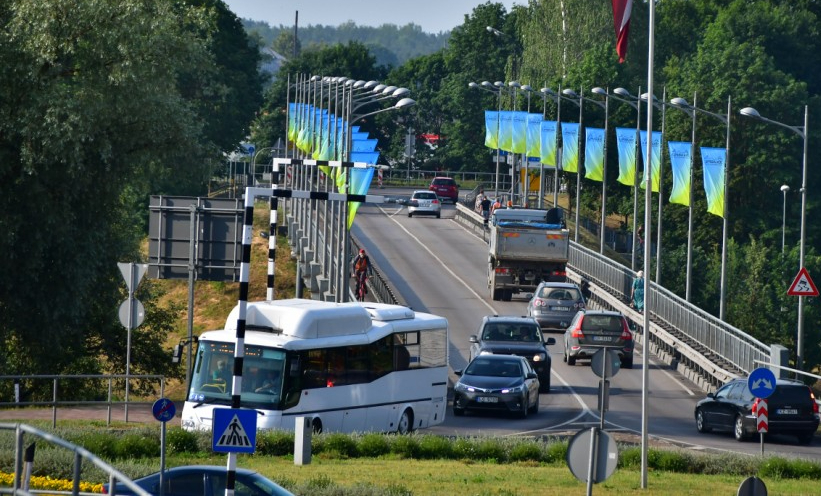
<point x="791" y="410"/>
<point x="205" y="480"/>
<point x="554" y="304"/>
<point x="592" y="330"/>
<point x="520" y="336"/>
<point x="502" y="383"/>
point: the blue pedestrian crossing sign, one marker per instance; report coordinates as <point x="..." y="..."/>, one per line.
<point x="234" y="430"/>
<point x="761" y="382"/>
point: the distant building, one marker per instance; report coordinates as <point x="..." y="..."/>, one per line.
<point x="271" y="61"/>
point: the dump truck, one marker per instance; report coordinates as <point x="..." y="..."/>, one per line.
<point x="526" y="247"/>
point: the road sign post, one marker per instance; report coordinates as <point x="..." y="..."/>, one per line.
<point x="762" y="384"/>
<point x="131" y="314"/>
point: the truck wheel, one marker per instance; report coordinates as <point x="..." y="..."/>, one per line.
<point x="507" y="294"/>
<point x="496" y="294"/>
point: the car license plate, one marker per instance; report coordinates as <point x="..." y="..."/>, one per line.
<point x="788" y="411"/>
<point x="560" y="309"/>
<point x="601" y="338"/>
<point x="487" y="399"/>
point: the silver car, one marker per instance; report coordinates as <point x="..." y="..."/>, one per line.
<point x="424" y="203"/>
<point x="554" y="304"/>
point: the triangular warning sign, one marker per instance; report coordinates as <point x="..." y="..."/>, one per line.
<point x="803" y="285"/>
<point x="234" y="435"/>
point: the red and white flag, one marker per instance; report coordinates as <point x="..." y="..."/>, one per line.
<point x="621" y="21"/>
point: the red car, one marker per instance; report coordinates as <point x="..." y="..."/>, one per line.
<point x="446" y="188"/>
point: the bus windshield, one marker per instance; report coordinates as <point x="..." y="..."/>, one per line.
<point x="262" y="375"/>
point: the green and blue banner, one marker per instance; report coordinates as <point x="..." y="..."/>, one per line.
<point x="714" y="160"/>
<point x="365" y="145"/>
<point x="492" y="129"/>
<point x="360" y="183"/>
<point x="292" y="110"/>
<point x="369" y="158"/>
<point x="534" y="145"/>
<point x="506" y="130"/>
<point x="680" y="159"/>
<point x="519" y="122"/>
<point x="548" y="143"/>
<point x="655" y="163"/>
<point x="626" y="145"/>
<point x="594" y="154"/>
<point x="570" y="148"/>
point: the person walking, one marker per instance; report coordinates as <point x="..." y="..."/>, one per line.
<point x="485" y="207"/>
<point x="637" y="293"/>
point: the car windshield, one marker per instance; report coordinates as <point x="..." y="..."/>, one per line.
<point x="512" y="332"/>
<point x="494" y="368"/>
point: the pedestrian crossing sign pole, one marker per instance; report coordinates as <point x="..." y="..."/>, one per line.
<point x="235" y="430"/>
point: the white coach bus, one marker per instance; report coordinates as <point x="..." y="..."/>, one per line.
<point x="351" y="367"/>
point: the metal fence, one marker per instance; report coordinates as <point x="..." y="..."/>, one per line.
<point x="115" y="389"/>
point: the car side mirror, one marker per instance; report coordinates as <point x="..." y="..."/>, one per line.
<point x="474" y="339"/>
<point x="532" y="375"/>
<point x="550" y="341"/>
<point x="458" y="372"/>
<point x="529" y="296"/>
<point x="711" y="395"/>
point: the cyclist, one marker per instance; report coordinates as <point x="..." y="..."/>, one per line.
<point x="361" y="268"/>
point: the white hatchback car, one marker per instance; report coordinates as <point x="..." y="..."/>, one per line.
<point x="425" y="203"/>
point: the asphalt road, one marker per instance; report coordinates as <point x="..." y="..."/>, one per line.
<point x="440" y="267"/>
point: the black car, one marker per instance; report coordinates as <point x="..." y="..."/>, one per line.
<point x="791" y="410"/>
<point x="501" y="383"/>
<point x="522" y="336"/>
<point x="204" y="480"/>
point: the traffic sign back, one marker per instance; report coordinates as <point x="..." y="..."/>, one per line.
<point x="803" y="285"/>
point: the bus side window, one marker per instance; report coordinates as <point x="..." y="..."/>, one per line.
<point x="401" y="357"/>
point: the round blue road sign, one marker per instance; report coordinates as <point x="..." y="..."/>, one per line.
<point x="761" y="382"/>
<point x="164" y="409"/>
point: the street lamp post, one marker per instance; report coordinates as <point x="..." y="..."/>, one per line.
<point x="547" y="92"/>
<point x="803" y="132"/>
<point x="784" y="189"/>
<point x="527" y="90"/>
<point x="606" y="106"/>
<point x="571" y="96"/>
<point x="682" y="103"/>
<point x="635" y="102"/>
<point x="663" y="107"/>
<point x="497" y="89"/>
<point x="675" y="103"/>
<point x="515" y="85"/>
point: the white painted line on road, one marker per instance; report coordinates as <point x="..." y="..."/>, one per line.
<point x="668" y="374"/>
<point x="465" y="284"/>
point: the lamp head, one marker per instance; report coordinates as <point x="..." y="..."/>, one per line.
<point x="388" y="90"/>
<point x="472" y="85"/>
<point x="645" y="96"/>
<point x="526" y="88"/>
<point x="370" y="84"/>
<point x="487" y="84"/>
<point x="751" y="112"/>
<point x="569" y="93"/>
<point x="599" y="91"/>
<point x="679" y="102"/>
<point x="548" y="91"/>
<point x="400" y="92"/>
<point x="785" y="188"/>
<point x="623" y="92"/>
<point x="499" y="84"/>
<point x="405" y="102"/>
<point x="315" y="78"/>
<point x="378" y="88"/>
<point x="514" y="84"/>
<point x="359" y="84"/>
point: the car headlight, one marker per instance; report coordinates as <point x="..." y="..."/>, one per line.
<point x="462" y="388"/>
<point x="485" y="352"/>
<point x="513" y="390"/>
<point x="539" y="357"/>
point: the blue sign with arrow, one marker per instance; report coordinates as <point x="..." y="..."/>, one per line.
<point x="761" y="382"/>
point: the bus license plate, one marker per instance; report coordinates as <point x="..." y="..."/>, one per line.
<point x="487" y="399"/>
<point x="788" y="411"/>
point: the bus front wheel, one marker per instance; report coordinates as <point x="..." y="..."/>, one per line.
<point x="405" y="425"/>
<point x="316" y="426"/>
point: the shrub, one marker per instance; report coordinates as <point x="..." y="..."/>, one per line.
<point x="373" y="445"/>
<point x="525" y="451"/>
<point x="133" y="445"/>
<point x="102" y="444"/>
<point x="671" y="461"/>
<point x="342" y="444"/>
<point x="435" y="447"/>
<point x="630" y="458"/>
<point x="779" y="468"/>
<point x="405" y="446"/>
<point x="556" y="452"/>
<point x="463" y="449"/>
<point x="178" y="440"/>
<point x="275" y="443"/>
<point x="490" y="449"/>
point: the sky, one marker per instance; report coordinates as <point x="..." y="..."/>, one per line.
<point x="432" y="15"/>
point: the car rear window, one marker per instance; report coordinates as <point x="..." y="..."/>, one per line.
<point x="794" y="395"/>
<point x="603" y="322"/>
<point x="560" y="293"/>
<point x="425" y="196"/>
<point x="444" y="182"/>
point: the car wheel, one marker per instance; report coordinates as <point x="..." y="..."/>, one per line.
<point x="316" y="426"/>
<point x="544" y="385"/>
<point x="457" y="411"/>
<point x="525" y="407"/>
<point x="738" y="429"/>
<point x="405" y="425"/>
<point x="627" y="363"/>
<point x="806" y="437"/>
<point x="438" y="215"/>
<point x="535" y="408"/>
<point x="410" y="214"/>
<point x="701" y="424"/>
<point x="571" y="360"/>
